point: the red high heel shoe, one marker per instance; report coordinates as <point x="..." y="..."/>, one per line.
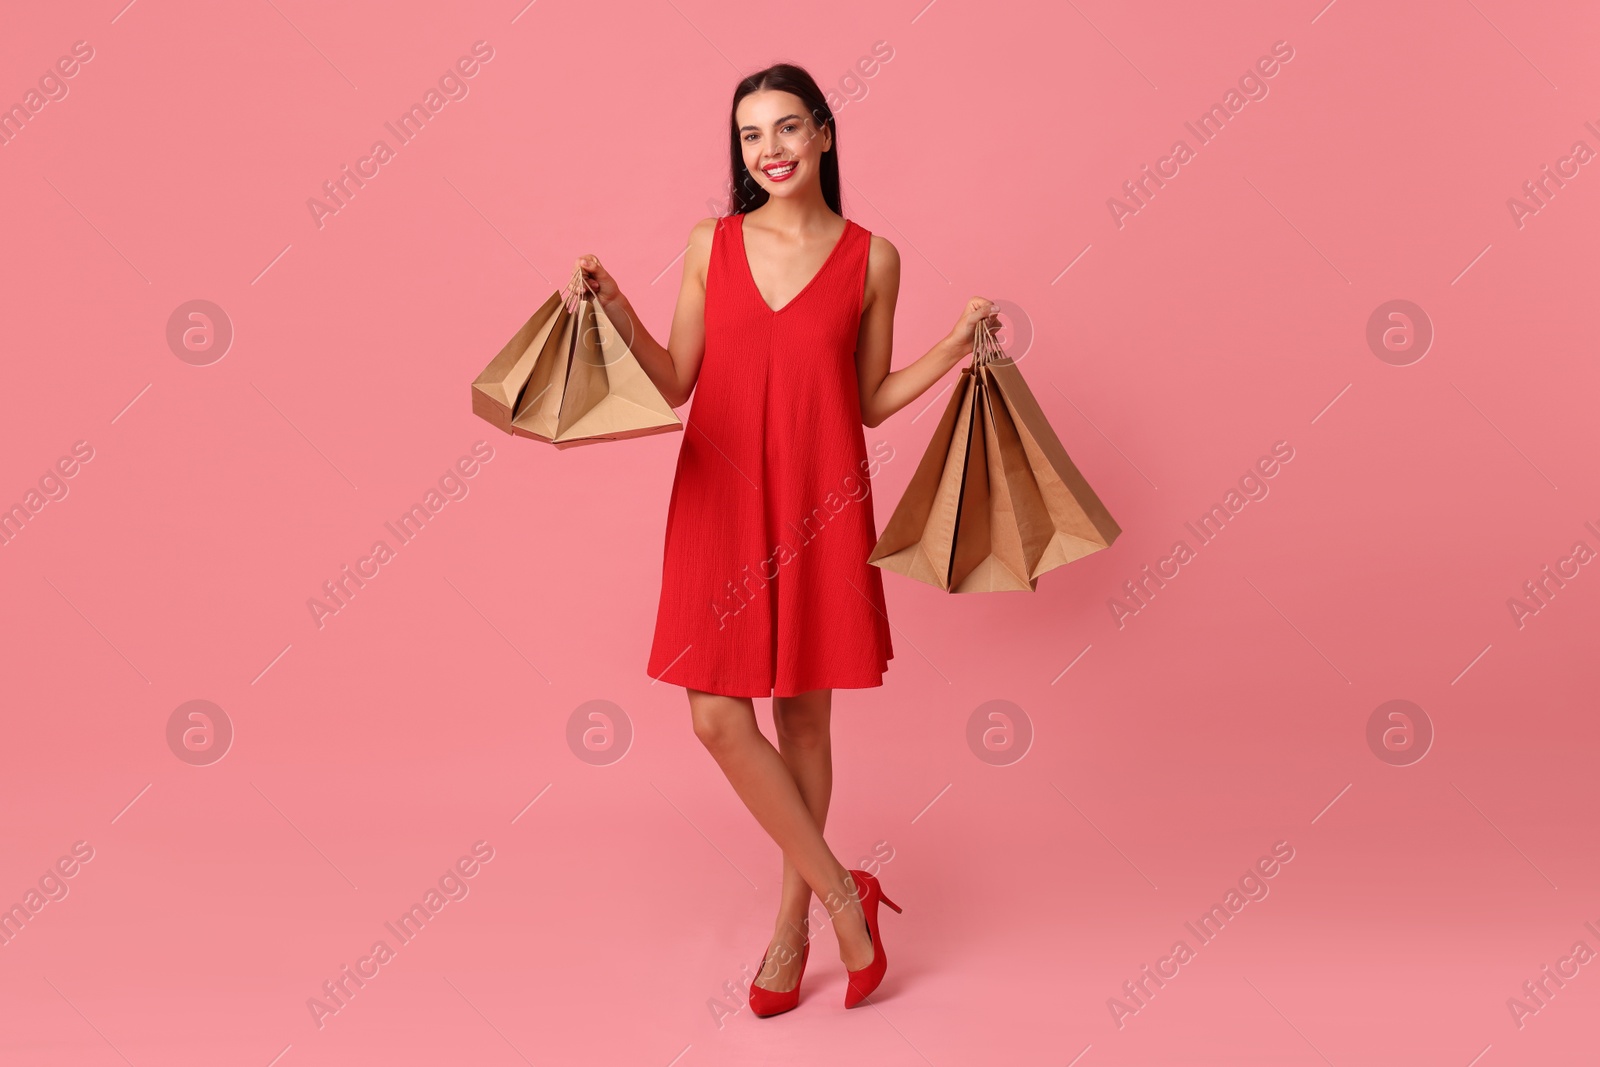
<point x="865" y="980"/>
<point x="765" y="1002"/>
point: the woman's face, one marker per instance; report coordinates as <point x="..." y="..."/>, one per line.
<point x="783" y="145"/>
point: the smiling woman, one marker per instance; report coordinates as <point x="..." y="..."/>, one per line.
<point x="783" y="334"/>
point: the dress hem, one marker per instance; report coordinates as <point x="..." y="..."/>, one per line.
<point x="720" y="688"/>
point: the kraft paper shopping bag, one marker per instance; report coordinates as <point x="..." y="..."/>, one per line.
<point x="567" y="377"/>
<point x="995" y="501"/>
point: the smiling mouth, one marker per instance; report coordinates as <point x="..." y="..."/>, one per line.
<point x="779" y="171"/>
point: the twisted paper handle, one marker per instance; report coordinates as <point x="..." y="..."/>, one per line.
<point x="577" y="289"/>
<point x="984" y="344"/>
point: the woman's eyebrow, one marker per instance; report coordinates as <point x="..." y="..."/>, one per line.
<point x="775" y="122"/>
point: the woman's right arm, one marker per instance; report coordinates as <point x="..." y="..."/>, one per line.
<point x="674" y="368"/>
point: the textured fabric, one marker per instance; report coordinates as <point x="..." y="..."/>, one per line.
<point x="765" y="585"/>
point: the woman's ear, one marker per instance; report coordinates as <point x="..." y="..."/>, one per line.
<point x="820" y="130"/>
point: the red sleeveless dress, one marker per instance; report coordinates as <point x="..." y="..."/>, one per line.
<point x="765" y="584"/>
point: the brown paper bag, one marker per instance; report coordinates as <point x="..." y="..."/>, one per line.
<point x="995" y="501"/>
<point x="568" y="378"/>
<point x="919" y="539"/>
<point x="497" y="392"/>
<point x="1079" y="522"/>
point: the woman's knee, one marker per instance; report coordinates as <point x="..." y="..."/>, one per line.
<point x="718" y="721"/>
<point x="801" y="724"/>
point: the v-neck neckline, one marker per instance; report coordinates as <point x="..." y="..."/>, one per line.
<point x="744" y="254"/>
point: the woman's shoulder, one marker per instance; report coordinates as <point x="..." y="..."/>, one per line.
<point x="702" y="238"/>
<point x="883" y="274"/>
<point x="702" y="232"/>
<point x="883" y="258"/>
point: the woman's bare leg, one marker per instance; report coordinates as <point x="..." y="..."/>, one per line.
<point x="758" y="774"/>
<point x="801" y="723"/>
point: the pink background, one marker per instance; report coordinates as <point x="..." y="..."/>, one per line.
<point x="1230" y="713"/>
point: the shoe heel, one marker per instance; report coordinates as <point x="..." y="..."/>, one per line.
<point x="886" y="900"/>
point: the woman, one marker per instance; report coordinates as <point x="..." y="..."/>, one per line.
<point x="788" y="309"/>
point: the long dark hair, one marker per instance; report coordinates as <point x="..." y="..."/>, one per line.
<point x="785" y="77"/>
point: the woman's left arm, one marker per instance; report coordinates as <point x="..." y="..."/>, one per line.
<point x="884" y="392"/>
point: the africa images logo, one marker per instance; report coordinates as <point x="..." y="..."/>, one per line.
<point x="452" y="85"/>
<point x="338" y="592"/>
<point x="1205" y="129"/>
<point x="452" y="886"/>
<point x="1137" y="593"/>
<point x="736" y="596"/>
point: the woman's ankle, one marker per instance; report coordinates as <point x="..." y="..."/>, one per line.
<point x="850" y="921"/>
<point x="795" y="928"/>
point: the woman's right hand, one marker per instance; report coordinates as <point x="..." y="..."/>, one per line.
<point x="597" y="280"/>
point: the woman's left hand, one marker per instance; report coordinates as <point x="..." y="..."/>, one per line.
<point x="977" y="310"/>
<point x="597" y="280"/>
